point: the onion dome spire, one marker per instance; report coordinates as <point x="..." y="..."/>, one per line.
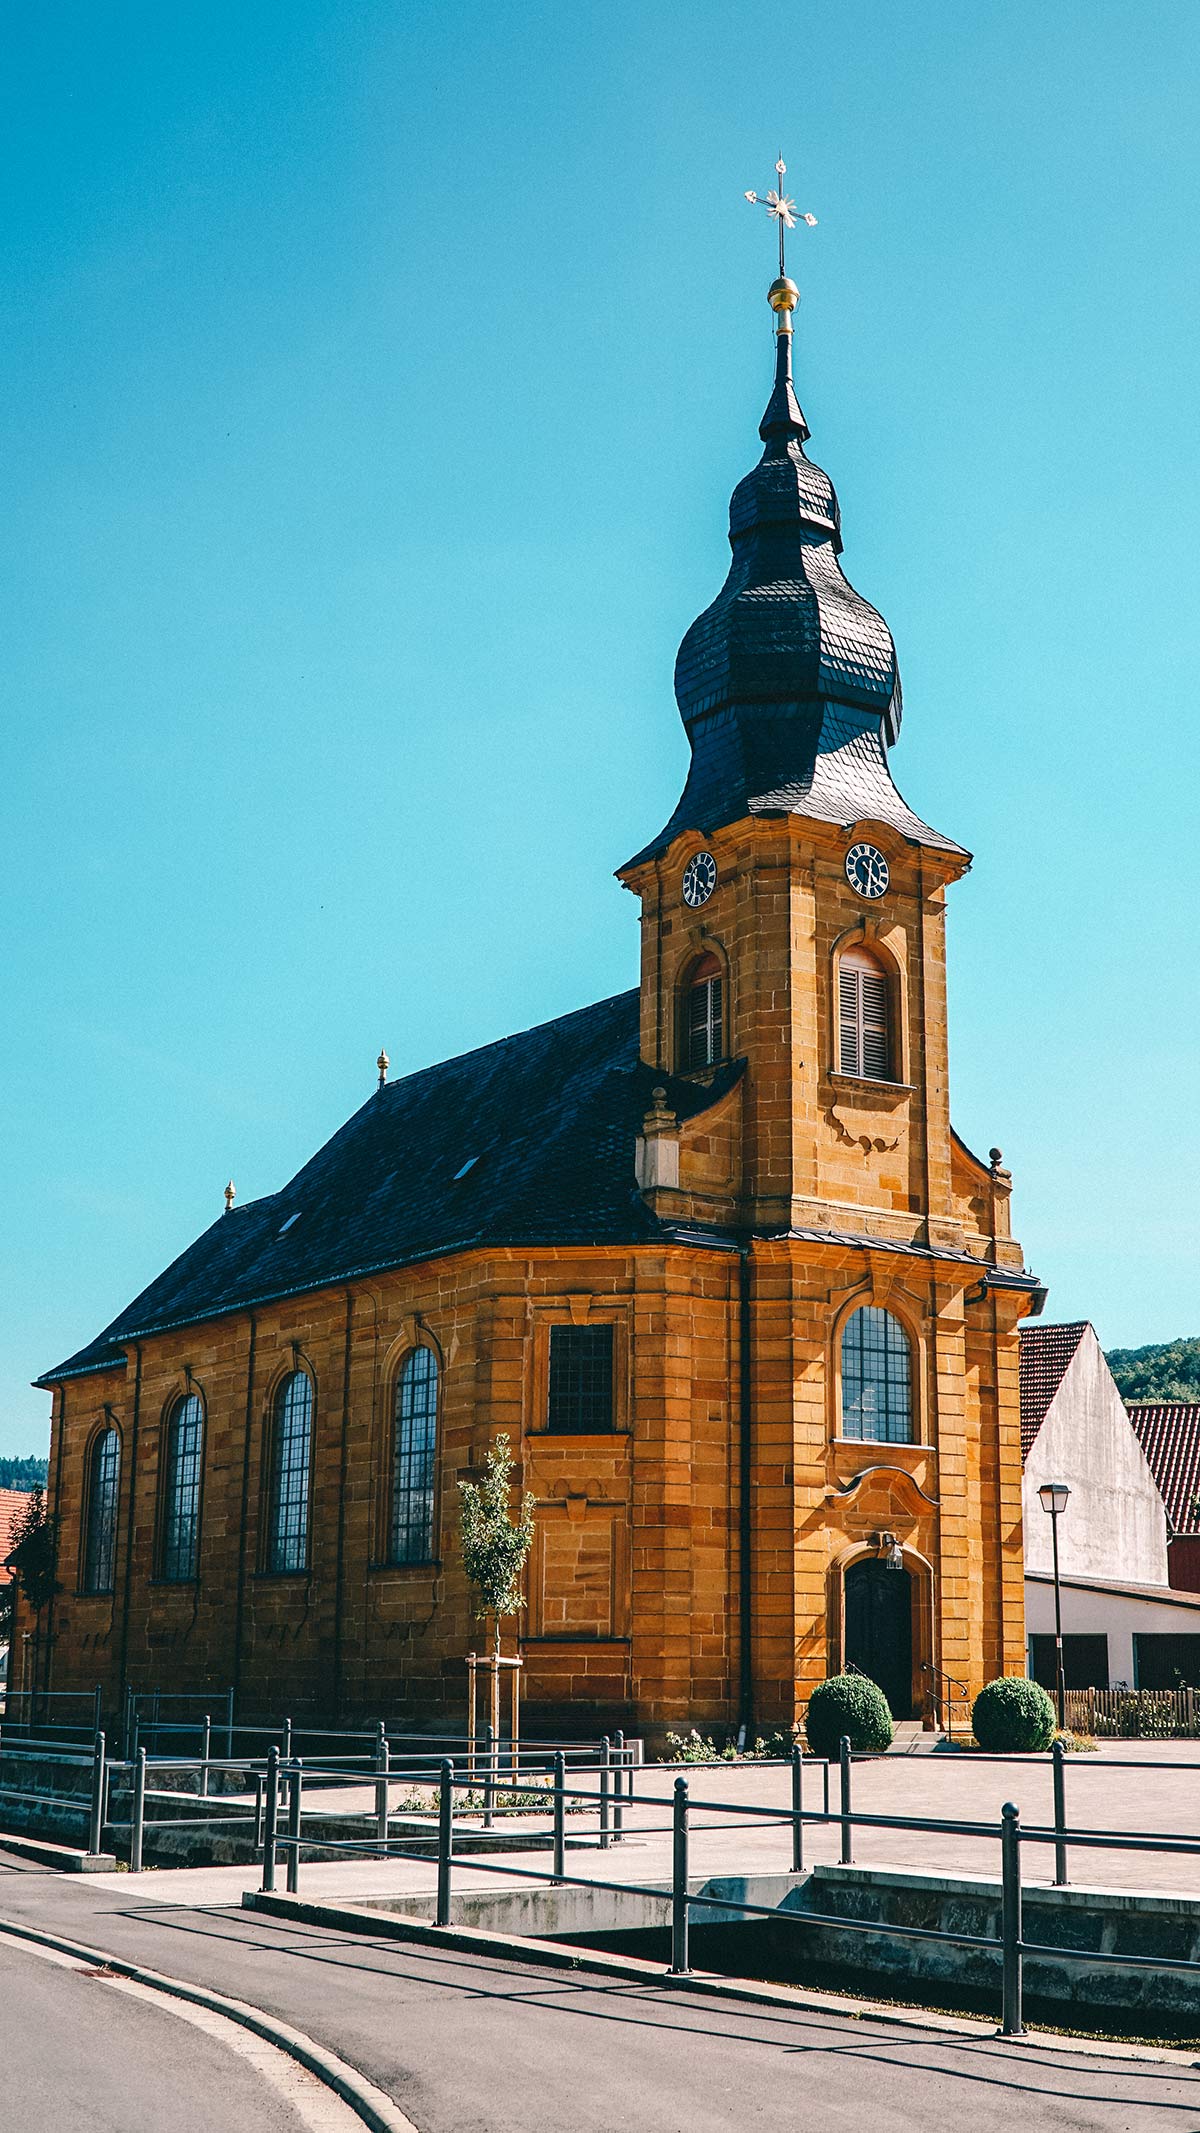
<point x="788" y="684"/>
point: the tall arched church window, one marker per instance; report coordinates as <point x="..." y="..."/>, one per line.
<point x="104" y="1479"/>
<point x="413" y="1454"/>
<point x="864" y="1016"/>
<point x="181" y="1495"/>
<point x="291" y="1467"/>
<point x="876" y="1378"/>
<point x="704" y="1008"/>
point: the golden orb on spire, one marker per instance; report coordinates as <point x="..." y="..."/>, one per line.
<point x="783" y="295"/>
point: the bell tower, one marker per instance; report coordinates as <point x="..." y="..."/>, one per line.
<point x="793" y="907"/>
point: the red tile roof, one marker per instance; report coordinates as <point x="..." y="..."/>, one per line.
<point x="1045" y="1353"/>
<point x="1169" y="1434"/>
<point x="12" y="1503"/>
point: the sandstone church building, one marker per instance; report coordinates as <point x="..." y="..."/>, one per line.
<point x="710" y="1252"/>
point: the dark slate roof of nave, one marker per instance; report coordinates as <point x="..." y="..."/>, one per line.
<point x="550" y="1118"/>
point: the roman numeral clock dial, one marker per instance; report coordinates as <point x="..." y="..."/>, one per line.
<point x="867" y="870"/>
<point x="699" y="879"/>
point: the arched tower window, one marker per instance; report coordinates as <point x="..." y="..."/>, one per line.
<point x="703" y="1014"/>
<point x="876" y="1378"/>
<point x="864" y="1016"/>
<point x="181" y="1493"/>
<point x="104" y="1479"/>
<point x="413" y="1451"/>
<point x="291" y="1466"/>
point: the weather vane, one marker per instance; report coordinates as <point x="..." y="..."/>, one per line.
<point x="781" y="210"/>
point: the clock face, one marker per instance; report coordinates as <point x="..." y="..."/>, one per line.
<point x="867" y="870"/>
<point x="699" y="879"/>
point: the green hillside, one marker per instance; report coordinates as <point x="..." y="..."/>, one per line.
<point x="1170" y="1371"/>
<point x="23" y="1473"/>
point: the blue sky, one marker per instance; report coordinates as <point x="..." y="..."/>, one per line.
<point x="376" y="377"/>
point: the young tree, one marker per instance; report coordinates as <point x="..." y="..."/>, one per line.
<point x="33" y="1560"/>
<point x="495" y="1546"/>
<point x="33" y="1556"/>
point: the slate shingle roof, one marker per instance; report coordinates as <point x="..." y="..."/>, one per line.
<point x="1046" y="1352"/>
<point x="1169" y="1434"/>
<point x="550" y="1118"/>
<point x="546" y="1122"/>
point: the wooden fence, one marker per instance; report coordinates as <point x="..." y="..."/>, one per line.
<point x="1134" y="1714"/>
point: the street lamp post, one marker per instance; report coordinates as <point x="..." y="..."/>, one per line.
<point x="1054" y="1496"/>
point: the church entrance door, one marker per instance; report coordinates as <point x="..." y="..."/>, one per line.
<point x="879" y="1629"/>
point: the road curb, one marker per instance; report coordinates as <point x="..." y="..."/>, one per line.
<point x="61" y="1858"/>
<point x="634" y="1970"/>
<point x="371" y="2104"/>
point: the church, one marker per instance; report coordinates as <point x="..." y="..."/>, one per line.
<point x="710" y="1252"/>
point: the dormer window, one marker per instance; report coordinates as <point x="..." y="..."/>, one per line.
<point x="704" y="1007"/>
<point x="864" y="1017"/>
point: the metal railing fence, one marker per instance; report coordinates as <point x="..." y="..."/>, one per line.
<point x="283" y="1831"/>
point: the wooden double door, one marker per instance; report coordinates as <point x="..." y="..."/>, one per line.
<point x="879" y="1629"/>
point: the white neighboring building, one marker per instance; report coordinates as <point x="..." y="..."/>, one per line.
<point x="1123" y="1625"/>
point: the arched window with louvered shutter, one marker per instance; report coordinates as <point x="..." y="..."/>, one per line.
<point x="864" y="1017"/>
<point x="704" y="1015"/>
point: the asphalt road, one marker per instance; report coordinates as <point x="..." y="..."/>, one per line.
<point x="83" y="2056"/>
<point x="476" y="2045"/>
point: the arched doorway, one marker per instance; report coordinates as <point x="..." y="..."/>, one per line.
<point x="879" y="1629"/>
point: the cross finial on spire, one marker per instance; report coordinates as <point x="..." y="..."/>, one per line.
<point x="781" y="209"/>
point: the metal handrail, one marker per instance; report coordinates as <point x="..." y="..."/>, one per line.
<point x="958" y="1688"/>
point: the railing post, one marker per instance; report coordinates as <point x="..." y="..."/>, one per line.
<point x="97" y="1709"/>
<point x="445" y="1843"/>
<point x="847" y="1839"/>
<point x="271" y="1818"/>
<point x="797" y="1810"/>
<point x="96" y="1813"/>
<point x="560" y="1813"/>
<point x="605" y="1780"/>
<point x="825" y="1778"/>
<point x="619" y="1789"/>
<point x="229" y="1725"/>
<point x="139" y="1813"/>
<point x="489" y="1778"/>
<point x="1011" y="2022"/>
<point x="207" y="1751"/>
<point x="294" y="1815"/>
<point x="1060" y="1816"/>
<point x="285" y="1749"/>
<point x="382" y="1760"/>
<point x="679" y="1882"/>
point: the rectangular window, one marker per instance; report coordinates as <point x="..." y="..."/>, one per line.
<point x="1162" y="1660"/>
<point x="1085" y="1662"/>
<point x="581" y="1378"/>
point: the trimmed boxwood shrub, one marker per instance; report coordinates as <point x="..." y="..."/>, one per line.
<point x="850" y="1704"/>
<point x="1013" y="1716"/>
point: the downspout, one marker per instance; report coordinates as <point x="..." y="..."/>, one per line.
<point x="339" y="1572"/>
<point x="130" y="1521"/>
<point x="239" y="1610"/>
<point x="57" y="1499"/>
<point x="745" y="1521"/>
